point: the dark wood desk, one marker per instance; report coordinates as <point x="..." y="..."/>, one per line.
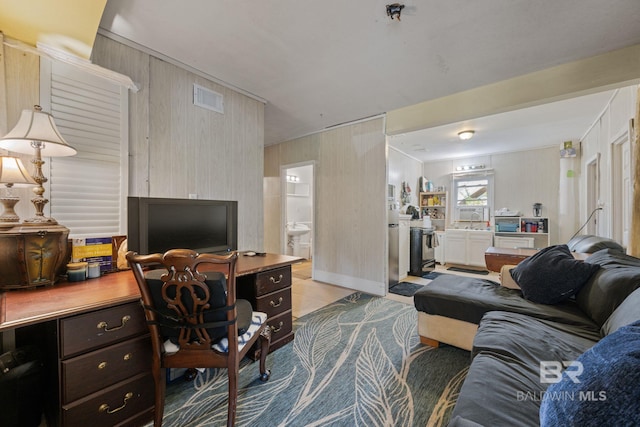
<point x="96" y="343"/>
<point x="29" y="306"/>
<point x="495" y="258"/>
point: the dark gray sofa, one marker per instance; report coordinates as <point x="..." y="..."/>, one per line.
<point x="589" y="244"/>
<point x="504" y="386"/>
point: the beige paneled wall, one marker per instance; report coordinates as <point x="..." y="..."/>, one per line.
<point x="21" y="91"/>
<point x="350" y="209"/>
<point x="178" y="149"/>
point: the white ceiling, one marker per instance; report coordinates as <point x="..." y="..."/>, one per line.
<point x="322" y="63"/>
<point x="525" y="129"/>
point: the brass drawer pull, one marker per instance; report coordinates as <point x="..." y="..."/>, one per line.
<point x="105" y="408"/>
<point x="274" y="281"/>
<point x="276" y="304"/>
<point x="104" y="325"/>
<point x="274" y="329"/>
<point x="127" y="356"/>
<point x="102" y="365"/>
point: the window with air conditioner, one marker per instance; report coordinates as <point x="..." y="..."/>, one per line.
<point x="472" y="199"/>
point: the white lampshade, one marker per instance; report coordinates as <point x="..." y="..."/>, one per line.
<point x="36" y="125"/>
<point x="13" y="172"/>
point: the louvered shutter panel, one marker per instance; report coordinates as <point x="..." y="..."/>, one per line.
<point x="88" y="191"/>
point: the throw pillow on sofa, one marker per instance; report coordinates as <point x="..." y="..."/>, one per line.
<point x="552" y="275"/>
<point x="609" y="387"/>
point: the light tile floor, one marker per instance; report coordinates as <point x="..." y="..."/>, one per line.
<point x="309" y="295"/>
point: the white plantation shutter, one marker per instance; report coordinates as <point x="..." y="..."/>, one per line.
<point x="88" y="191"/>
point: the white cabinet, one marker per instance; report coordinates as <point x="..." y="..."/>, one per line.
<point x="534" y="228"/>
<point x="455" y="247"/>
<point x="513" y="242"/>
<point x="403" y="246"/>
<point x="477" y="244"/>
<point x="467" y="247"/>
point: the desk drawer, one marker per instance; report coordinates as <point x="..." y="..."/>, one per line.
<point x="112" y="405"/>
<point x="274" y="303"/>
<point x="280" y="325"/>
<point x="91" y="372"/>
<point x="272" y="280"/>
<point x="102" y="327"/>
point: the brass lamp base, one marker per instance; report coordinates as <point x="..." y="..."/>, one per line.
<point x="32" y="256"/>
<point x="39" y="221"/>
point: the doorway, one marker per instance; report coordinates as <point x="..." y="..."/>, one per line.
<point x="298" y="212"/>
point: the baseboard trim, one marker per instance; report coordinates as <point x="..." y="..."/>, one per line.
<point x="350" y="282"/>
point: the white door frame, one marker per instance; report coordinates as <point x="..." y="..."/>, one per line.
<point x="593" y="192"/>
<point x="621" y="187"/>
<point x="283" y="208"/>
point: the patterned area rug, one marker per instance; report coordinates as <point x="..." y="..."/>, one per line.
<point x="406" y="289"/>
<point x="356" y="362"/>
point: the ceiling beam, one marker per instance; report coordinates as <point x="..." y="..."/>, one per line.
<point x="598" y="73"/>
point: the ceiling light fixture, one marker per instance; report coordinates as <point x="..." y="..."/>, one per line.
<point x="466" y="134"/>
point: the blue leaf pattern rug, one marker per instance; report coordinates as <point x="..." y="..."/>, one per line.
<point x="356" y="362"/>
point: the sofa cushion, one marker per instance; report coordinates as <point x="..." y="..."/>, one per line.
<point x="531" y="340"/>
<point x="608" y="389"/>
<point x="469" y="298"/>
<point x="618" y="277"/>
<point x="552" y="275"/>
<point x="626" y="313"/>
<point x="591" y="244"/>
<point x="500" y="391"/>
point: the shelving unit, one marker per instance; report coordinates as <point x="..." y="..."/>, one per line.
<point x="434" y="204"/>
<point x="522" y="231"/>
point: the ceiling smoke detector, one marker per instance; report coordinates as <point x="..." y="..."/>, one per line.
<point x="394" y="10"/>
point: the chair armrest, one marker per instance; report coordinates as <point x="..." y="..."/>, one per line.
<point x="505" y="277"/>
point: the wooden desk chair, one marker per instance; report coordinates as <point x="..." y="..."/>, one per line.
<point x="192" y="314"/>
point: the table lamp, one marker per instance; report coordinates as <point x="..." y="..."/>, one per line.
<point x="36" y="131"/>
<point x="35" y="250"/>
<point x="12" y="174"/>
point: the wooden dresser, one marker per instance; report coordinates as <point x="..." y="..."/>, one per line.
<point x="270" y="292"/>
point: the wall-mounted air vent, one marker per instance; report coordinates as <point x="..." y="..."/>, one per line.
<point x="207" y="98"/>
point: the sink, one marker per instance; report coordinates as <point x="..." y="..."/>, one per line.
<point x="297" y="229"/>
